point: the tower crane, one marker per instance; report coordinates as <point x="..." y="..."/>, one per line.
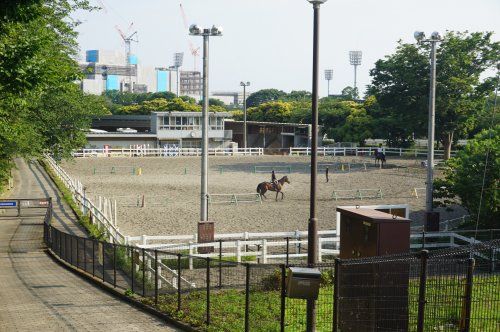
<point x="132" y="37"/>
<point x="194" y="51"/>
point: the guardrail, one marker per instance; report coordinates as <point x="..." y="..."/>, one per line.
<point x="365" y="151"/>
<point x="104" y="214"/>
<point x="166" y="152"/>
<point x="19" y="204"/>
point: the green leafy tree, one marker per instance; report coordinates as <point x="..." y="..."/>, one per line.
<point x="463" y="179"/>
<point x="274" y="111"/>
<point x="213" y="102"/>
<point x="37" y="78"/>
<point x="400" y="83"/>
<point x="350" y="93"/>
<point x="263" y="96"/>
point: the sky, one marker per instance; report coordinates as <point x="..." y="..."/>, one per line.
<point x="269" y="42"/>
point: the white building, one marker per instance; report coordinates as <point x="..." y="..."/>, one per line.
<point x="181" y="129"/>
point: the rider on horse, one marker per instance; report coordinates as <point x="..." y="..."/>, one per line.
<point x="380" y="152"/>
<point x="273" y="179"/>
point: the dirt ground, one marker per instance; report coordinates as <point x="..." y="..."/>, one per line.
<point x="171" y="187"/>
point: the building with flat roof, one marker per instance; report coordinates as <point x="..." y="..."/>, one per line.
<point x="272" y="135"/>
<point x="182" y="129"/>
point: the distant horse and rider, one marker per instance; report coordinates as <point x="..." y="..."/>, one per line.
<point x="380" y="156"/>
<point x="274" y="185"/>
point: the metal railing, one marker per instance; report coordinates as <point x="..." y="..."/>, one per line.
<point x="453" y="289"/>
<point x="165" y="152"/>
<point x="365" y="151"/>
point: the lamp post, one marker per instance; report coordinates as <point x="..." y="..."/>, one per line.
<point x="195" y="30"/>
<point x="328" y="78"/>
<point x="432" y="219"/>
<point x="244" y="85"/>
<point x="178" y="59"/>
<point x="312" y="229"/>
<point x="355" y="59"/>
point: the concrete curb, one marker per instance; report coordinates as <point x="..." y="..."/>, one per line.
<point x="116" y="293"/>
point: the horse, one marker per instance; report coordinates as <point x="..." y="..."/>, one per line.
<point x="263" y="187"/>
<point x="380" y="158"/>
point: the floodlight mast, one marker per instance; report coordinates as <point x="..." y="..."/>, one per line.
<point x="433" y="40"/>
<point x="178" y="59"/>
<point x="195" y="30"/>
<point x="244" y="85"/>
<point x="328" y="77"/>
<point x="355" y="59"/>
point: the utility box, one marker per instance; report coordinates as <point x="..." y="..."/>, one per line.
<point x="374" y="292"/>
<point x="303" y="283"/>
<point x="206" y="234"/>
<point x="431" y="222"/>
<point x="367" y="232"/>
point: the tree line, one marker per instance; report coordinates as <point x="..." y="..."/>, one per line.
<point x="41" y="107"/>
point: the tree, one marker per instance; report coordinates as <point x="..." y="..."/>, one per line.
<point x="37" y="74"/>
<point x="213" y="102"/>
<point x="300" y="95"/>
<point x="274" y="111"/>
<point x="401" y="82"/>
<point x="463" y="179"/>
<point x="350" y="93"/>
<point x="263" y="96"/>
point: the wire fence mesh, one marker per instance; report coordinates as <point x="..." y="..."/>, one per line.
<point x="453" y="289"/>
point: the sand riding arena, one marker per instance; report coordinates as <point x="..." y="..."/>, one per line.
<point x="160" y="195"/>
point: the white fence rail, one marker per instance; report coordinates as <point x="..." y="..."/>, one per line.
<point x="365" y="151"/>
<point x="266" y="247"/>
<point x="166" y="152"/>
<point x="102" y="214"/>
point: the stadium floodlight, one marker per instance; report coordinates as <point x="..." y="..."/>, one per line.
<point x="244" y="85"/>
<point x="328" y="78"/>
<point x="196" y="30"/>
<point x="431" y="216"/>
<point x="178" y="59"/>
<point x="355" y="59"/>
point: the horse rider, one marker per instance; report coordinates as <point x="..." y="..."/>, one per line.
<point x="380" y="151"/>
<point x="273" y="180"/>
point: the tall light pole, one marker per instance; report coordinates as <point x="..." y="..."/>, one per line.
<point x="178" y="59"/>
<point x="244" y="85"/>
<point x="355" y="59"/>
<point x="431" y="217"/>
<point x="195" y="30"/>
<point x="328" y="78"/>
<point x="312" y="229"/>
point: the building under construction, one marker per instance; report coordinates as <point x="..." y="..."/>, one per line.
<point x="111" y="70"/>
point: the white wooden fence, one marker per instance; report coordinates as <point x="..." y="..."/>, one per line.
<point x="170" y="152"/>
<point x="103" y="214"/>
<point x="365" y="151"/>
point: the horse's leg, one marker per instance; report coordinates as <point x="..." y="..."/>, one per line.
<point x="282" y="195"/>
<point x="277" y="192"/>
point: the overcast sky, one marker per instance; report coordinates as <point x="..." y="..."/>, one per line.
<point x="269" y="42"/>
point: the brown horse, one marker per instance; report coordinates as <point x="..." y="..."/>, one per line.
<point x="263" y="187"/>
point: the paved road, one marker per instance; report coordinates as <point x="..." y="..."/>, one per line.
<point x="36" y="294"/>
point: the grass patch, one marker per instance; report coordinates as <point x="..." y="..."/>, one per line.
<point x="227" y="307"/>
<point x="84" y="220"/>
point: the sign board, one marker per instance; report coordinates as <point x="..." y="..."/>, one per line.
<point x="35" y="203"/>
<point x="8" y="204"/>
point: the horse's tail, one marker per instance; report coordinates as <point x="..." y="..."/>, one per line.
<point x="258" y="188"/>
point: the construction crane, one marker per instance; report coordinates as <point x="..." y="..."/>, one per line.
<point x="128" y="40"/>
<point x="194" y="51"/>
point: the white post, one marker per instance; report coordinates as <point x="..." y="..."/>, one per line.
<point x="264" y="251"/>
<point x="144" y="240"/>
<point x="115" y="221"/>
<point x="238" y="251"/>
<point x="159" y="274"/>
<point x="320" y="255"/>
<point x="190" y="255"/>
<point x="148" y="269"/>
